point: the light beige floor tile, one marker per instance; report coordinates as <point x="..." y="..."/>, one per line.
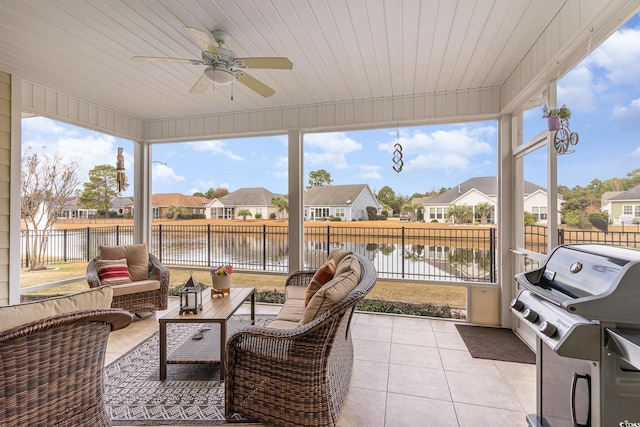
<point x="406" y="322"/>
<point x="476" y="416"/>
<point x="371" y="333"/>
<point x="461" y="361"/>
<point x="420" y="382"/>
<point x="363" y="407"/>
<point x="525" y="392"/>
<point x="519" y="371"/>
<point x="399" y="376"/>
<point x="373" y="320"/>
<point x="485" y="390"/>
<point x="411" y="355"/>
<point x="417" y="337"/>
<point x="375" y="351"/>
<point x="444" y="326"/>
<point x="403" y="411"/>
<point x="370" y="375"/>
<point x="450" y="341"/>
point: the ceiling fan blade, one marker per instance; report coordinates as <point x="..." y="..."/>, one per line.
<point x="204" y="40"/>
<point x="257" y="85"/>
<point x="201" y="85"/>
<point x="162" y="59"/>
<point x="272" y="62"/>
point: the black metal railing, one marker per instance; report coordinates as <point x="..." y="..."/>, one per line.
<point x="444" y="254"/>
<point x="441" y="254"/>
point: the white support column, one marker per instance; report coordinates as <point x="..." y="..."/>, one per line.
<point x="142" y="213"/>
<point x="552" y="174"/>
<point x="296" y="200"/>
<point x="15" y="189"/>
<point x="507" y="216"/>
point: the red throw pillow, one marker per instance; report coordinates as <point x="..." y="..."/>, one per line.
<point x="323" y="275"/>
<point x="113" y="271"/>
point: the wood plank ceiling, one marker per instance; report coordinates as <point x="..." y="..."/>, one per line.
<point x="342" y="50"/>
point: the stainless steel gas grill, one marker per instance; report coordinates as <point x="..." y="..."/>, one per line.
<point x="584" y="306"/>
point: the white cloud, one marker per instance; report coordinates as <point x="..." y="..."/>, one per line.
<point x="443" y="149"/>
<point x="43" y="125"/>
<point x="619" y="56"/>
<point x="605" y="75"/>
<point x="628" y="116"/>
<point x="634" y="155"/>
<point x="165" y="174"/>
<point x="215" y="147"/>
<point x="281" y="167"/>
<point x="578" y="88"/>
<point x="329" y="150"/>
<point x="369" y="172"/>
<point x="88" y="151"/>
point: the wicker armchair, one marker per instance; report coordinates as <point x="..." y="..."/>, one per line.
<point x="138" y="302"/>
<point x="51" y="370"/>
<point x="300" y="376"/>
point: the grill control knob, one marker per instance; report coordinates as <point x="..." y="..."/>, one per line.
<point x="548" y="329"/>
<point x="517" y="305"/>
<point x="530" y="315"/>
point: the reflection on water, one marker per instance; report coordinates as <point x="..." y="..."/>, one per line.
<point x="256" y="251"/>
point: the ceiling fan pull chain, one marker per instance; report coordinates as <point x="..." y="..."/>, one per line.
<point x="232" y="84"/>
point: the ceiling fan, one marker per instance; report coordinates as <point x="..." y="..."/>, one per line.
<point x="222" y="65"/>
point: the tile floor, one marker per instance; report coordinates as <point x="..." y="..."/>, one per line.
<point x="409" y="372"/>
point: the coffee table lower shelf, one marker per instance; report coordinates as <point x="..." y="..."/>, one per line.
<point x="203" y="351"/>
<point x="210" y="349"/>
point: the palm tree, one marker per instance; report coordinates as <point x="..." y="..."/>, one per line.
<point x="176" y="211"/>
<point x="244" y="213"/>
<point x="461" y="214"/>
<point x="281" y="203"/>
<point x="412" y="209"/>
<point x="484" y="210"/>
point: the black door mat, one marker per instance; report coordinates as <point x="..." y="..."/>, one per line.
<point x="495" y="344"/>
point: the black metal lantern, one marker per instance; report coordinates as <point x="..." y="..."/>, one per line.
<point x="191" y="297"/>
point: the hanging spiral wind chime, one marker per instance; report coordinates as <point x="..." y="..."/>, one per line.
<point x="397" y="154"/>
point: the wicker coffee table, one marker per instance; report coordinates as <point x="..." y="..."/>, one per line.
<point x="214" y="310"/>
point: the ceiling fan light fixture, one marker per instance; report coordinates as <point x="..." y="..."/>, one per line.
<point x="219" y="76"/>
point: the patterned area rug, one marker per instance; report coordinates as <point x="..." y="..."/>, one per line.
<point x="191" y="394"/>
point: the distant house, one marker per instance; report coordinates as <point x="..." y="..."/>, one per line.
<point x="623" y="207"/>
<point x="475" y="191"/>
<point x="255" y="200"/>
<point x="120" y="205"/>
<point x="194" y="205"/>
<point x="71" y="211"/>
<point x="348" y="202"/>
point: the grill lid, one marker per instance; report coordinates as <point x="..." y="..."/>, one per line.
<point x="585" y="270"/>
<point x="597" y="281"/>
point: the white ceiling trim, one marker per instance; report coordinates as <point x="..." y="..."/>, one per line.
<point x="472" y="105"/>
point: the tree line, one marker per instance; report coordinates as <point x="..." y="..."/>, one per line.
<point x="581" y="202"/>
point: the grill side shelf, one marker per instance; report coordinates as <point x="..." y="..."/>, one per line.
<point x="625" y="343"/>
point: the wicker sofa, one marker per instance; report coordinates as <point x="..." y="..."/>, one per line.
<point x="297" y="370"/>
<point x="146" y="287"/>
<point x="52" y="359"/>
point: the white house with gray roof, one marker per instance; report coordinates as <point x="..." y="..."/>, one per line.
<point x="348" y="202"/>
<point x="475" y="191"/>
<point x="255" y="200"/>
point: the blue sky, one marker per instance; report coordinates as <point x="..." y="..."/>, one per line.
<point x="603" y="92"/>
